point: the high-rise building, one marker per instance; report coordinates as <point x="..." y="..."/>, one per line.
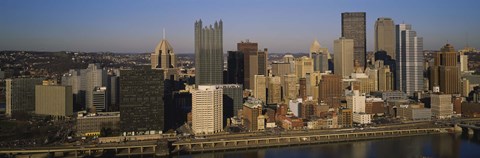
<point x="207" y="110"/>
<point x="100" y="102"/>
<point x="91" y="78"/>
<point x="319" y="56"/>
<point x="20" y="95"/>
<point x="73" y="78"/>
<point x="141" y="101"/>
<point x="463" y="62"/>
<point x="343" y="57"/>
<point x="330" y="90"/>
<point x="303" y="66"/>
<point x="385" y="76"/>
<point x="262" y="61"/>
<point x="252" y="109"/>
<point x="385" y="36"/>
<point x="382" y="61"/>
<point x="235" y="67"/>
<point x="445" y="72"/>
<point x="164" y="56"/>
<point x="232" y="99"/>
<point x="353" y="27"/>
<point x="442" y="106"/>
<point x="260" y="88"/>
<point x="289" y="87"/>
<point x="410" y="59"/>
<point x="208" y="53"/>
<point x="280" y="69"/>
<point x="302" y="91"/>
<point x="249" y="50"/>
<point x="274" y="90"/>
<point x="53" y="100"/>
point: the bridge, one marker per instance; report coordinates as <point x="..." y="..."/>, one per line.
<point x="277" y="140"/>
<point x="468" y="129"/>
<point x="95" y="151"/>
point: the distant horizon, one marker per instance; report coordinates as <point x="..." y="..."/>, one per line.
<point x="123" y="26"/>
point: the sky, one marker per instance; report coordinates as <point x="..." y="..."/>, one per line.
<point x="135" y="26"/>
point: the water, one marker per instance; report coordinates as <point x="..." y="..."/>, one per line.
<point x="435" y="146"/>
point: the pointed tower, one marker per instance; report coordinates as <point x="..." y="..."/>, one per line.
<point x="164" y="56"/>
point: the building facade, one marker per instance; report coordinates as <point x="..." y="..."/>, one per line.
<point x="20" y="95"/>
<point x="208" y="53"/>
<point x="207" y="110"/>
<point x="410" y="60"/>
<point x="385" y="36"/>
<point x="343" y="57"/>
<point x="354" y="27"/>
<point x="53" y="100"/>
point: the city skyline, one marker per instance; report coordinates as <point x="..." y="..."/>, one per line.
<point x="285" y="26"/>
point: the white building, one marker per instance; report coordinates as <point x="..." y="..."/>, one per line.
<point x="410" y="59"/>
<point x="356" y="102"/>
<point x="441" y="104"/>
<point x="362" y="118"/>
<point x="294" y="106"/>
<point x="207" y="110"/>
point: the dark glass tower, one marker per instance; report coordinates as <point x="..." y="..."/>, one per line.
<point x="208" y="53"/>
<point x="235" y="67"/>
<point x="141" y="100"/>
<point x="353" y="27"/>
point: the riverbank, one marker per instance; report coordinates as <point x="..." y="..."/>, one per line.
<point x="212" y="145"/>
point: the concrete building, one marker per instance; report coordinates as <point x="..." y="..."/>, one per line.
<point x="345" y="118"/>
<point x="20" y="95"/>
<point x="208" y="53"/>
<point x="354" y="27"/>
<point x="141" y="101"/>
<point x="235" y="67"/>
<point x="374" y="106"/>
<point x="356" y="101"/>
<point x="252" y="110"/>
<point x="410" y="59"/>
<point x="260" y="88"/>
<point x="463" y="62"/>
<point x="303" y="66"/>
<point x="232" y="99"/>
<point x="92" y="124"/>
<point x="289" y="87"/>
<point x="100" y="102"/>
<point x="384" y="38"/>
<point x="295" y="107"/>
<point x="164" y="56"/>
<point x="385" y="77"/>
<point x="92" y="77"/>
<point x="53" y="100"/>
<point x="207" y="110"/>
<point x="274" y="90"/>
<point x="319" y="56"/>
<point x="362" y="118"/>
<point x="441" y="105"/>
<point x="343" y="50"/>
<point x="280" y="69"/>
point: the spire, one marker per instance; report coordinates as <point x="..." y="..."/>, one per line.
<point x="163" y="33"/>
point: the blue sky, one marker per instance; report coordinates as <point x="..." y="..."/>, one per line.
<point x="280" y="25"/>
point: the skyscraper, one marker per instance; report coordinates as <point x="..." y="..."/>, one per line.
<point x="207" y="110"/>
<point x="260" y="88"/>
<point x="274" y="90"/>
<point x="353" y="27"/>
<point x="235" y="67"/>
<point x="141" y="101"/>
<point x="319" y="56"/>
<point x="208" y="53"/>
<point x="91" y="78"/>
<point x="409" y="49"/>
<point x="385" y="36"/>
<point x="343" y="57"/>
<point x="303" y="66"/>
<point x="249" y="50"/>
<point x="330" y="90"/>
<point x="164" y="56"/>
<point x="445" y="72"/>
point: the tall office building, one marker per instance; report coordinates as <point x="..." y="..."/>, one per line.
<point x="280" y="69"/>
<point x="208" y="53"/>
<point x="387" y="61"/>
<point x="274" y="90"/>
<point x="100" y="102"/>
<point x="385" y="36"/>
<point x="343" y="56"/>
<point x="249" y="50"/>
<point x="262" y="61"/>
<point x="445" y="71"/>
<point x="235" y="67"/>
<point x="410" y="59"/>
<point x="207" y="110"/>
<point x="20" y="95"/>
<point x="319" y="56"/>
<point x="353" y="27"/>
<point x="91" y="78"/>
<point x="385" y="76"/>
<point x="302" y="90"/>
<point x="289" y="87"/>
<point x="232" y="99"/>
<point x="303" y="66"/>
<point x="164" y="56"/>
<point x="260" y="88"/>
<point x="53" y="100"/>
<point x="141" y="101"/>
<point x="330" y="90"/>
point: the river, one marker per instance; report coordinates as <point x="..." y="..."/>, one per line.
<point x="435" y="146"/>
